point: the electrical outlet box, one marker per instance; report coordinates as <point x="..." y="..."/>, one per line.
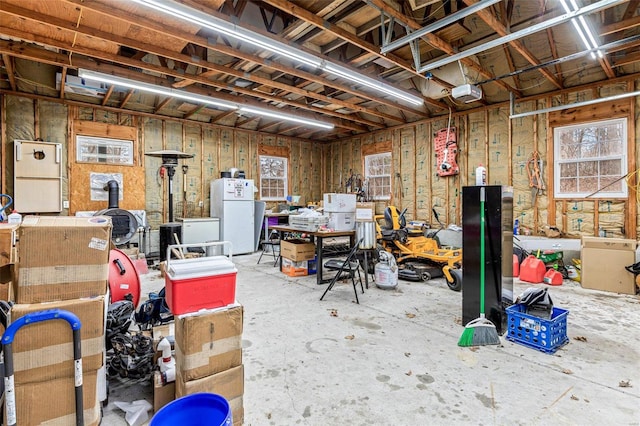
<point x="65" y="204"/>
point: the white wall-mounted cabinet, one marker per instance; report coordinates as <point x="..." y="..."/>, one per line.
<point x="37" y="182"/>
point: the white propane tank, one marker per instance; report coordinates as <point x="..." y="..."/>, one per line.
<point x="386" y="271"/>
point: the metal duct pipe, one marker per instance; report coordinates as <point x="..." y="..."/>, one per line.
<point x="114" y="193"/>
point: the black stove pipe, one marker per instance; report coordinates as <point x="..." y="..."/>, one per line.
<point x="114" y="193"/>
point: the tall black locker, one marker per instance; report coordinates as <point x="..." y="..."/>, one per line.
<point x="498" y="253"/>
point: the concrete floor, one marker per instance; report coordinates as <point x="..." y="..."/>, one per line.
<point x="394" y="359"/>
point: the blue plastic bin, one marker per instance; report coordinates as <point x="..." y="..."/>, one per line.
<point x="546" y="335"/>
<point x="199" y="409"/>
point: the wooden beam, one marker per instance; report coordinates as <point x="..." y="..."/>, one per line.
<point x="352" y="38"/>
<point x="41" y="54"/>
<point x="8" y="64"/>
<point x="615" y="27"/>
<point x="126" y="98"/>
<point x="441" y="44"/>
<point x="208" y="43"/>
<point x="107" y="95"/>
<point x="63" y="80"/>
<point x="502" y="31"/>
<point x="194" y="111"/>
<point x="162" y="104"/>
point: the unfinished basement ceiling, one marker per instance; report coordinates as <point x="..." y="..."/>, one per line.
<point x="45" y="42"/>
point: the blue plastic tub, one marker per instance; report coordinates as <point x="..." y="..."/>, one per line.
<point x="199" y="409"/>
<point x="546" y="335"/>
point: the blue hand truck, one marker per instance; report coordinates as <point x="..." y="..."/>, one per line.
<point x="7" y="341"/>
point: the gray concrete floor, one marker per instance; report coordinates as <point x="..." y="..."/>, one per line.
<point x="394" y="360"/>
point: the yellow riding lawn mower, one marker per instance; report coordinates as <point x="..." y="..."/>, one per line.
<point x="420" y="257"/>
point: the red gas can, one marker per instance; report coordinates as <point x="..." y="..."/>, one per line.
<point x="553" y="277"/>
<point x="532" y="270"/>
<point x="516" y="265"/>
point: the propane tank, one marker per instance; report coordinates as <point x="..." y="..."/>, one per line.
<point x="386" y="271"/>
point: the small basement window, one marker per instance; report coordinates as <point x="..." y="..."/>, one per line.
<point x="591" y="157"/>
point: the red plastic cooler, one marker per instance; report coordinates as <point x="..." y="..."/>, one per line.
<point x="200" y="283"/>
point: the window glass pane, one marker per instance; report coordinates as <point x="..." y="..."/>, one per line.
<point x="377" y="173"/>
<point x="273" y="177"/>
<point x="595" y="154"/>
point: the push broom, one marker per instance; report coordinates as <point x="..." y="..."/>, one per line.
<point x="480" y="331"/>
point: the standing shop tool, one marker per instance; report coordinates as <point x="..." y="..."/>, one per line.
<point x="7" y="341"/>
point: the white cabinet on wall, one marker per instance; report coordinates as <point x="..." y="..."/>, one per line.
<point x="37" y="182"/>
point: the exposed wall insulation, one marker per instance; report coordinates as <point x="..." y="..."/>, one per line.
<point x="227" y="153"/>
<point x="154" y="188"/>
<point x="52" y="129"/>
<point x="407" y="169"/>
<point x="439" y="185"/>
<point x="190" y="193"/>
<point x="210" y="164"/>
<point x="20" y="124"/>
<point x="423" y="171"/>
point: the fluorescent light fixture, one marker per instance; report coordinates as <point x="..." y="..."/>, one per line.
<point x="194" y="97"/>
<point x="152" y="88"/>
<point x="441" y="23"/>
<point x="305" y="121"/>
<point x="227" y="28"/>
<point x="588" y="39"/>
<point x="222" y="26"/>
<point x="371" y="83"/>
<point x="592" y="8"/>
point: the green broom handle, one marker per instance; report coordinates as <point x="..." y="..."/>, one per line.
<point x="482" y="225"/>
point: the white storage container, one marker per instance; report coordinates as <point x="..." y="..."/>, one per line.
<point x="342" y="221"/>
<point x="339" y="203"/>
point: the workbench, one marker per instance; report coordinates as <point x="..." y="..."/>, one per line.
<point x="318" y="238"/>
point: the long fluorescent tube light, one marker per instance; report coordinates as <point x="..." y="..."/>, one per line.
<point x="441" y="23"/>
<point x="574" y="105"/>
<point x="194" y="97"/>
<point x="260" y="111"/>
<point x="219" y="25"/>
<point x="595" y="7"/>
<point x="371" y="83"/>
<point x="583" y="31"/>
<point x="152" y="88"/>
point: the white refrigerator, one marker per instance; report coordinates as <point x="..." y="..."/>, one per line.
<point x="232" y="202"/>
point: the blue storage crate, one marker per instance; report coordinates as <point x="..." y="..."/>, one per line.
<point x="545" y="335"/>
<point x="312" y="267"/>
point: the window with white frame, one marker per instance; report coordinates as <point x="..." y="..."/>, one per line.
<point x="591" y="157"/>
<point x="377" y="173"/>
<point x="273" y="178"/>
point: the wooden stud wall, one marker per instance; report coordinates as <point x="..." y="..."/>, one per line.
<point x="504" y="146"/>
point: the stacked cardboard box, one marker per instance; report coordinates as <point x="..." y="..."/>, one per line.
<point x="209" y="355"/>
<point x="62" y="263"/>
<point x="295" y="256"/>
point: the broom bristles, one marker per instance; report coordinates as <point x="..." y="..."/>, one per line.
<point x="479" y="332"/>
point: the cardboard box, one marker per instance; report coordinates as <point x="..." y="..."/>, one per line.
<point x="365" y="212"/>
<point x="6" y="277"/>
<point x="295" y="269"/>
<point x="53" y="402"/>
<point x="209" y="342"/>
<point x="7" y="242"/>
<point x="339" y="203"/>
<point x="62" y="258"/>
<point x="229" y="384"/>
<point x="603" y="261"/>
<point x="342" y="221"/>
<point x="162" y="394"/>
<point x="297" y="250"/>
<point x="44" y="350"/>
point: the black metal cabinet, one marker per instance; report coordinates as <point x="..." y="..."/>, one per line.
<point x="498" y="253"/>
